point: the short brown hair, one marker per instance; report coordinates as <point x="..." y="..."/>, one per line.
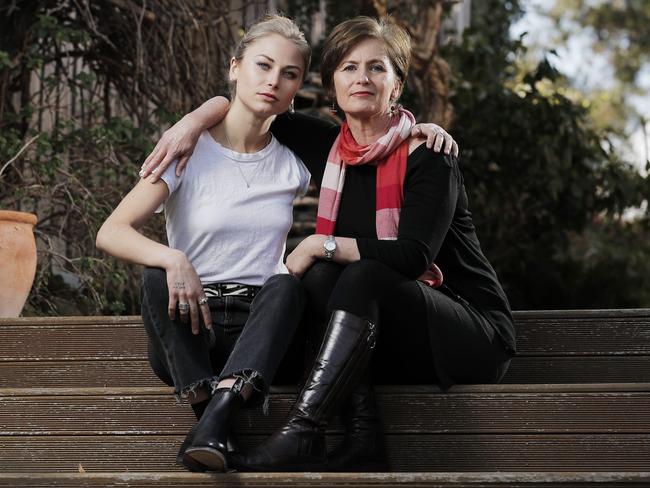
<point x="351" y="32"/>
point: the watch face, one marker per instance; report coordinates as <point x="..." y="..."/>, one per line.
<point x="330" y="245"/>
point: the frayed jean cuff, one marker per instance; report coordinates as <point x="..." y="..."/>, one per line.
<point x="256" y="380"/>
<point x="189" y="391"/>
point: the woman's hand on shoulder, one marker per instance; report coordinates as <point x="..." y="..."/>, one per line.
<point x="178" y="142"/>
<point x="437" y="138"/>
<point x="186" y="291"/>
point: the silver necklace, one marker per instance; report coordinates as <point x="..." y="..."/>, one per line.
<point x="232" y="155"/>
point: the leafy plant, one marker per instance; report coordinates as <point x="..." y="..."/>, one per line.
<point x="85" y="87"/>
<point x="541" y="178"/>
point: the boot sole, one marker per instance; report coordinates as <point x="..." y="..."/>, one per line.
<point x="211" y="459"/>
<point x="189" y="463"/>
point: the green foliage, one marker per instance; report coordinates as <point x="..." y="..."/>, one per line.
<point x="68" y="160"/>
<point x="613" y="266"/>
<point x="85" y="88"/>
<point x="618" y="32"/>
<point x="621" y="30"/>
<point x="547" y="192"/>
<point x="538" y="176"/>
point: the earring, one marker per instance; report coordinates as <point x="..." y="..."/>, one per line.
<point x="394" y="109"/>
<point x="333" y="109"/>
<point x="292" y="110"/>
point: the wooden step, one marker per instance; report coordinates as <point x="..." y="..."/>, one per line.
<point x="137" y="372"/>
<point x="308" y="480"/>
<point x="592" y="427"/>
<point x="408" y="453"/>
<point x="479" y="409"/>
<point x="540" y="333"/>
<point x="554" y="347"/>
<point x="79" y="406"/>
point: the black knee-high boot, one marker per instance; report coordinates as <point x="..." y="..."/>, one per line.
<point x="363" y="448"/>
<point x="300" y="444"/>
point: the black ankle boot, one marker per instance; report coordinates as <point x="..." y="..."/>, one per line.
<point x="300" y="444"/>
<point x="191" y="464"/>
<point x="363" y="448"/>
<point x="206" y="445"/>
<point x="198" y="409"/>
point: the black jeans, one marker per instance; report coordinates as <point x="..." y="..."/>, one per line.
<point x="436" y="338"/>
<point x="249" y="336"/>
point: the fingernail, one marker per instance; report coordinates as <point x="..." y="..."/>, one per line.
<point x="154" y="171"/>
<point x="141" y="173"/>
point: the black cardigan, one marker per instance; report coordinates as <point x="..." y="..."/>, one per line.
<point x="435" y="221"/>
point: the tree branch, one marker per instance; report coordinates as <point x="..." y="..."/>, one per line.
<point x="22" y="149"/>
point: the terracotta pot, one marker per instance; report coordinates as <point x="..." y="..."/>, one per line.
<point x="17" y="260"/>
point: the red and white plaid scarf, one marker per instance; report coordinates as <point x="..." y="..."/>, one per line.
<point x="389" y="153"/>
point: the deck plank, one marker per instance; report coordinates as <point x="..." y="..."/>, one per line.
<point x="511" y="410"/>
<point x="435" y="453"/>
<point x="544" y="333"/>
<point x="137" y="372"/>
<point x="77" y="394"/>
<point x="307" y="480"/>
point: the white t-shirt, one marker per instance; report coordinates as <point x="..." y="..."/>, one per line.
<point x="229" y="232"/>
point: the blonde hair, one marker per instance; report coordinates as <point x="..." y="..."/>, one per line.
<point x="351" y="32"/>
<point x="276" y="24"/>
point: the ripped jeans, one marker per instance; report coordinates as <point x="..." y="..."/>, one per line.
<point x="249" y="336"/>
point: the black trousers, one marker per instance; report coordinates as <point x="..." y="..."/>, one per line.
<point x="433" y="338"/>
<point x="250" y="337"/>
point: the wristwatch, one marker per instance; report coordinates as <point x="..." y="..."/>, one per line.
<point x="330" y="247"/>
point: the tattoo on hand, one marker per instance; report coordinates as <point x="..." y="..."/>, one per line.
<point x="179" y="285"/>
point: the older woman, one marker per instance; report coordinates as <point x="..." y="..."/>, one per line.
<point x="389" y="207"/>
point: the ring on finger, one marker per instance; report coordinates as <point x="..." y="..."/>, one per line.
<point x="203" y="301"/>
<point x="183" y="307"/>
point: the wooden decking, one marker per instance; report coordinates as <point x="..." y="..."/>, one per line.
<point x="80" y="407"/>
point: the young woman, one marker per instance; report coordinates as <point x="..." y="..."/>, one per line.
<point x="227" y="220"/>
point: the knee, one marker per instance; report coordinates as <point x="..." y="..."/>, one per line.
<point x="322" y="269"/>
<point x="362" y="273"/>
<point x="284" y="285"/>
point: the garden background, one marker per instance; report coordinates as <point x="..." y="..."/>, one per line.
<point x="86" y="87"/>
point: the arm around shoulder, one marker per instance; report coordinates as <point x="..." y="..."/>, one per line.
<point x="178" y="142"/>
